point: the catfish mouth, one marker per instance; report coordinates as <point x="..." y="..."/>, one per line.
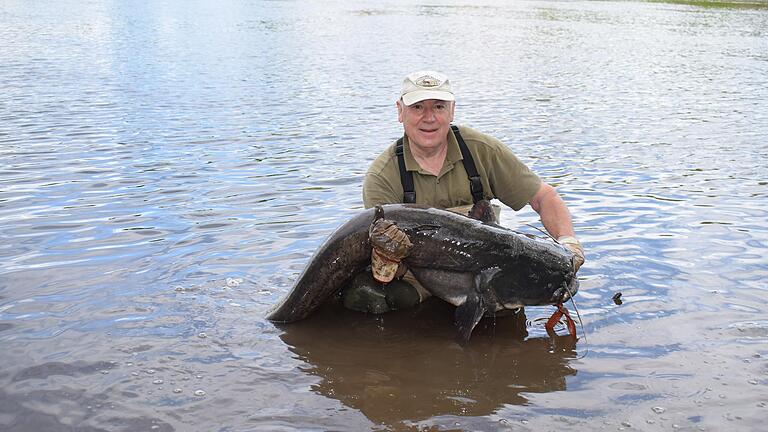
<point x="564" y="293"/>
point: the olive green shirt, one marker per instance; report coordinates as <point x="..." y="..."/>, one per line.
<point x="503" y="175"/>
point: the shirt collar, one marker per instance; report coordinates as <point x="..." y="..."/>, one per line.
<point x="452" y="155"/>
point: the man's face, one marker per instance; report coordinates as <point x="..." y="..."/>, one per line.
<point x="426" y="123"/>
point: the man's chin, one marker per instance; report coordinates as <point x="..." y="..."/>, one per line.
<point x="428" y="140"/>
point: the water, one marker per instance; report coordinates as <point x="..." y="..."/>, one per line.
<point x="168" y="168"/>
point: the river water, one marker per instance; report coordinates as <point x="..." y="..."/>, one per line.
<point x="168" y="168"/>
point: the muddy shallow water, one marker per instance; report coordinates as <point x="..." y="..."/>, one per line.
<point x="167" y="169"/>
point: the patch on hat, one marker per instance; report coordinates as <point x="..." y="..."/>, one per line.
<point x="427" y="81"/>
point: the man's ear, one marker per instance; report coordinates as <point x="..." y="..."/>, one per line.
<point x="399" y="104"/>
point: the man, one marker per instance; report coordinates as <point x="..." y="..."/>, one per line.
<point x="429" y="162"/>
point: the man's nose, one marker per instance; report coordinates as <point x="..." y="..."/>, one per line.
<point x="429" y="114"/>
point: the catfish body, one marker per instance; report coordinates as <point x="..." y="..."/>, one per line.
<point x="479" y="267"/>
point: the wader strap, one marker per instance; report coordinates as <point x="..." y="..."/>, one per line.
<point x="475" y="185"/>
<point x="406" y="178"/>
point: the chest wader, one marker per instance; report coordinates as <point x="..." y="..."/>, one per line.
<point x="409" y="192"/>
<point x="406" y="177"/>
<point x="365" y="294"/>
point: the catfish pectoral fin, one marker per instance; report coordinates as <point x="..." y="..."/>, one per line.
<point x="468" y="314"/>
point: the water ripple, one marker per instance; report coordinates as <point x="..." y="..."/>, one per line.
<point x="151" y="153"/>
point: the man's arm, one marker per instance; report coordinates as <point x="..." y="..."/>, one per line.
<point x="554" y="214"/>
<point x="557" y="220"/>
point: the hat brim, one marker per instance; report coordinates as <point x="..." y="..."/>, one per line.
<point x="421" y="95"/>
<point x="383" y="270"/>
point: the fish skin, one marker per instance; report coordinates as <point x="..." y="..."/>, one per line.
<point x="480" y="267"/>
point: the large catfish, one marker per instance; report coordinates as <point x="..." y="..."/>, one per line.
<point x="479" y="267"/>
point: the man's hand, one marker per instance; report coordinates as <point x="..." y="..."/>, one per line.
<point x="389" y="245"/>
<point x="573" y="244"/>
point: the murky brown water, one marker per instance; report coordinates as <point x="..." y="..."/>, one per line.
<point x="167" y="169"/>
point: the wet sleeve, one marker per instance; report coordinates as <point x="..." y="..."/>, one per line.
<point x="376" y="191"/>
<point x="512" y="182"/>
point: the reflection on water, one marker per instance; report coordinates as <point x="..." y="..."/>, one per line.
<point x="168" y="168"/>
<point x="409" y="365"/>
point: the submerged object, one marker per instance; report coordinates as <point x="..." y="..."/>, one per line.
<point x="479" y="267"/>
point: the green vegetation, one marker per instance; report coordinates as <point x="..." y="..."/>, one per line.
<point x="724" y="4"/>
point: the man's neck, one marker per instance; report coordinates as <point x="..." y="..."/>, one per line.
<point x="432" y="159"/>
